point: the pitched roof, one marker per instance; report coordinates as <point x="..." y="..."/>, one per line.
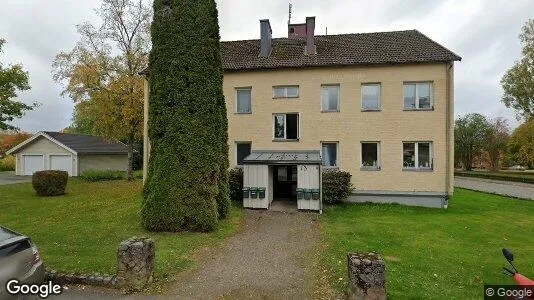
<point x="87" y="144"/>
<point x="284" y="157"/>
<point x="394" y="47"/>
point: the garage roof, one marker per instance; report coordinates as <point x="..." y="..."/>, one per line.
<point x="76" y="143"/>
<point x="284" y="157"/>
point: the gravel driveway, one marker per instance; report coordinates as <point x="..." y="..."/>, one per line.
<point x="507" y="188"/>
<point x="272" y="258"/>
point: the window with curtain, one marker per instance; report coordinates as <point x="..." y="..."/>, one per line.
<point x="371" y="96"/>
<point x="330" y="98"/>
<point x="417" y="155"/>
<point x="418" y="95"/>
<point x="286" y="91"/>
<point x="370" y="156"/>
<point x="329" y="154"/>
<point x="244" y="99"/>
<point x="286" y="126"/>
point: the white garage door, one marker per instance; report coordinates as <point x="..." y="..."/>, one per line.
<point x="33" y="163"/>
<point x="61" y="162"/>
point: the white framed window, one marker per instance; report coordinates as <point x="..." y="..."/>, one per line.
<point x="330" y="98"/>
<point x="242" y="150"/>
<point x="286" y="126"/>
<point x="417" y="155"/>
<point x="243" y="100"/>
<point x="418" y="95"/>
<point x="370" y="156"/>
<point x="371" y="96"/>
<point x="329" y="154"/>
<point x="290" y="91"/>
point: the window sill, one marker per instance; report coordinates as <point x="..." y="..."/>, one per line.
<point x="276" y="98"/>
<point x="285" y="140"/>
<point x="371" y="110"/>
<point x="243" y="113"/>
<point x="370" y="168"/>
<point x="330" y="111"/>
<point x="418" y="169"/>
<point x="418" y="109"/>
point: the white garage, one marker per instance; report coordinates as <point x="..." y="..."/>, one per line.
<point x="73" y="153"/>
<point x="33" y="163"/>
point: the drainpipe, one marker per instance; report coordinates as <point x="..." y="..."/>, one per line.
<point x="449" y="152"/>
<point x="321" y="189"/>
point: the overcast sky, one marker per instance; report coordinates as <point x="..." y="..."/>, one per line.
<point x="483" y="33"/>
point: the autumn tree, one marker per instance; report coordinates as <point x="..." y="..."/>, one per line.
<point x="496" y="141"/>
<point x="13" y="79"/>
<point x="470" y="134"/>
<point x="521" y="144"/>
<point x="187" y="185"/>
<point x="10" y="140"/>
<point x="518" y="82"/>
<point x="101" y="72"/>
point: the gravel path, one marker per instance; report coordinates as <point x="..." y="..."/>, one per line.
<point x="507" y="188"/>
<point x="272" y="258"/>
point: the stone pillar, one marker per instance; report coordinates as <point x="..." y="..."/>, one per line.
<point x="367" y="276"/>
<point x="135" y="260"/>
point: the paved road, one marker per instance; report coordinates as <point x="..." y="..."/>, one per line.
<point x="11" y="178"/>
<point x="507" y="188"/>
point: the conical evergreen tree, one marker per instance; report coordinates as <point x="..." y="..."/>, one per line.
<point x="187" y="184"/>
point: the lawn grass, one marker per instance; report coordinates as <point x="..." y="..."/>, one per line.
<point x="433" y="253"/>
<point x="81" y="231"/>
<point x="517" y="176"/>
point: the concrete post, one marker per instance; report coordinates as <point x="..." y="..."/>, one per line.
<point x="135" y="260"/>
<point x="366" y="276"/>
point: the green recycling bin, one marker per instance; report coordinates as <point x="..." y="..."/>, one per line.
<point x="246" y="193"/>
<point x="307" y="194"/>
<point x="300" y="193"/>
<point x="315" y="194"/>
<point x="253" y="192"/>
<point x="261" y="192"/>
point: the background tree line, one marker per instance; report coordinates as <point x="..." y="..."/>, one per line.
<point x="480" y="138"/>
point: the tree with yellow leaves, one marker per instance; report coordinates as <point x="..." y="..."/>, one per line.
<point x="101" y="72"/>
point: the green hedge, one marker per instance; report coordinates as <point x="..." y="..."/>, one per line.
<point x="7" y="163"/>
<point x="187" y="184"/>
<point x="103" y="175"/>
<point x="235" y="180"/>
<point x="336" y="186"/>
<point x="526" y="178"/>
<point x="50" y="182"/>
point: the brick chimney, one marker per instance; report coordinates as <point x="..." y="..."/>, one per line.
<point x="310" y="48"/>
<point x="265" y="38"/>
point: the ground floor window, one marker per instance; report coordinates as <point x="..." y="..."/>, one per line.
<point x="242" y="150"/>
<point x="286" y="126"/>
<point x="417" y="155"/>
<point x="329" y="154"/>
<point x="370" y="156"/>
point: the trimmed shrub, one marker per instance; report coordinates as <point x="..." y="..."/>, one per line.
<point x="235" y="180"/>
<point x="103" y="175"/>
<point x="50" y="182"/>
<point x="187" y="184"/>
<point x="7" y="163"/>
<point x="336" y="186"/>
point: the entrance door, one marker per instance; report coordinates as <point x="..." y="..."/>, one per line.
<point x="285" y="182"/>
<point x="33" y="163"/>
<point x="61" y="162"/>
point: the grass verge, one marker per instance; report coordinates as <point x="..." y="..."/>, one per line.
<point x="433" y="253"/>
<point x="81" y="231"/>
<point x="506" y="176"/>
